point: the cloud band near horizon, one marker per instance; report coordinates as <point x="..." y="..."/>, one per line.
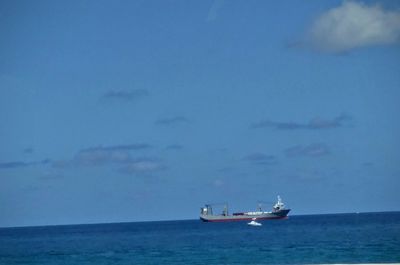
<point x="314" y="124"/>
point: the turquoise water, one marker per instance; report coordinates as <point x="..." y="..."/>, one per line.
<point x="340" y="238"/>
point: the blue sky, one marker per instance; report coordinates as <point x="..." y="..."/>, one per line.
<point x="145" y="110"/>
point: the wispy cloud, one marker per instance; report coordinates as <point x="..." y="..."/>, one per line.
<point x="28" y="150"/>
<point x="218" y="183"/>
<point x="213" y="12"/>
<point x="172" y="121"/>
<point x="353" y="25"/>
<point x="314" y="124"/>
<point x="126" y="95"/>
<point x="122" y="157"/>
<point x="21" y="164"/>
<point x="367" y="164"/>
<point x="174" y="147"/>
<point x="142" y="166"/>
<point x="312" y="150"/>
<point x="101" y="155"/>
<point x="127" y="147"/>
<point x="93" y="157"/>
<point x="260" y="159"/>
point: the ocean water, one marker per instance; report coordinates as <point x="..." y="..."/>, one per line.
<point x="311" y="239"/>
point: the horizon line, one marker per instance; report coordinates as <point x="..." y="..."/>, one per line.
<point x="177" y="220"/>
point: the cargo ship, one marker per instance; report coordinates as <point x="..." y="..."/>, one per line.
<point x="278" y="212"/>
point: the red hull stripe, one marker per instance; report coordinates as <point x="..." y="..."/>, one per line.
<point x="242" y="219"/>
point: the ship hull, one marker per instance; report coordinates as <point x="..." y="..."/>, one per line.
<point x="232" y="218"/>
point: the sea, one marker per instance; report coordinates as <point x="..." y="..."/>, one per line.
<point x="309" y="239"/>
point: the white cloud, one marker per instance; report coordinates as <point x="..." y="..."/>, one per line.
<point x="353" y="25"/>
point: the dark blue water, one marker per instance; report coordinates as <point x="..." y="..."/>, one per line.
<point x="344" y="238"/>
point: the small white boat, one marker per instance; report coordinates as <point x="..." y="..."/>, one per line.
<point x="254" y="223"/>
